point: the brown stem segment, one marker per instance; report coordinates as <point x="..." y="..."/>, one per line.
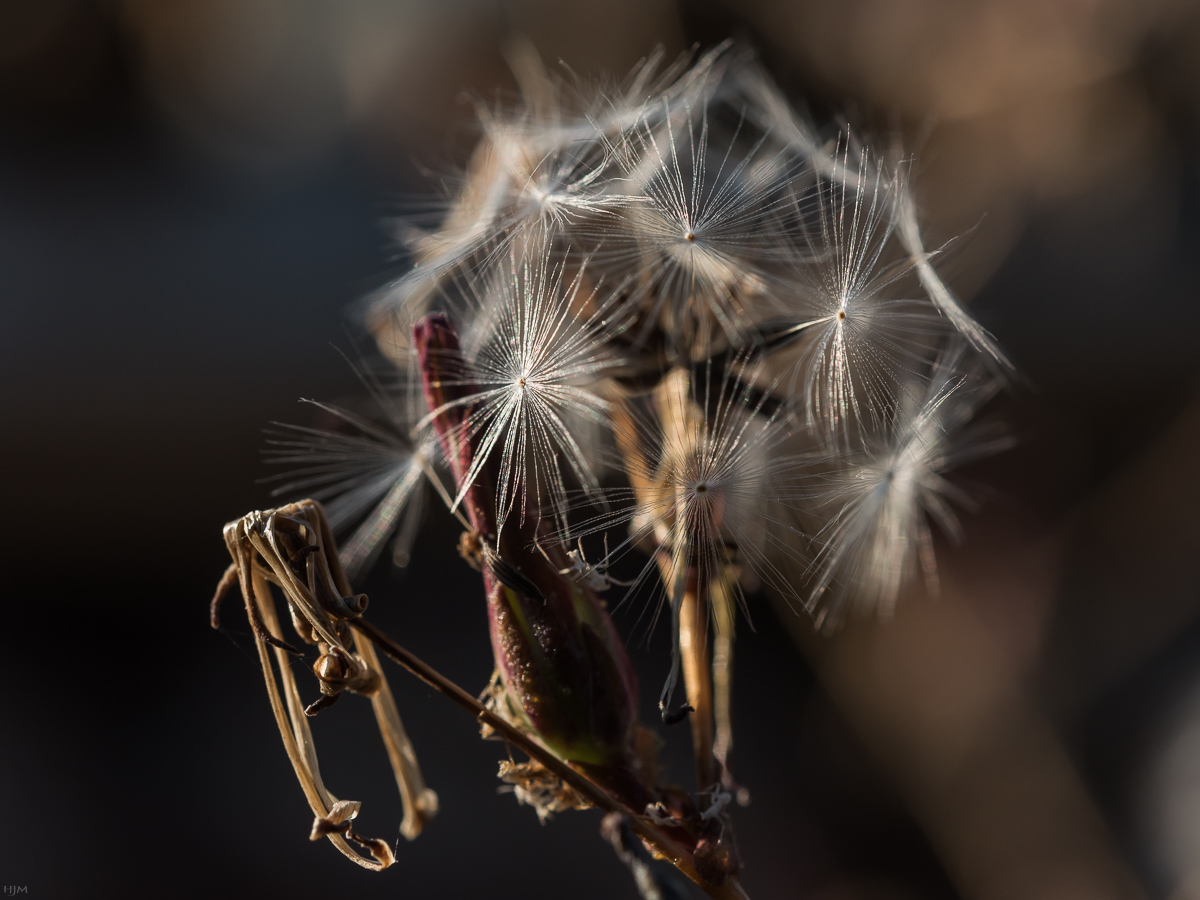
<point x="697" y="679"/>
<point x="658" y="841"/>
<point x="722" y="672"/>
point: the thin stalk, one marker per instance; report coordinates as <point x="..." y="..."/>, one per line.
<point x="697" y="678"/>
<point x="660" y="843"/>
<point x="679" y="593"/>
<point x="419" y="802"/>
<point x="293" y="724"/>
<point x="723" y="607"/>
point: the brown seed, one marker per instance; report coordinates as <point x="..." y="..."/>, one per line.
<point x="329" y="668"/>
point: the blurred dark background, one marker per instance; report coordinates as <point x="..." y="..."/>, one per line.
<point x="191" y="198"/>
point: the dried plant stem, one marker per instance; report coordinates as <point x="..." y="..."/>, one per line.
<point x="675" y="575"/>
<point x="293" y="724"/>
<point x="692" y="608"/>
<point x="594" y="793"/>
<point x="292" y="548"/>
<point x="420" y="803"/>
<point x="652" y="882"/>
<point x="625" y="433"/>
<point x="723" y="608"/>
<point x="697" y="678"/>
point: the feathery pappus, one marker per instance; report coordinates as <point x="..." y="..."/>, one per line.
<point x="669" y="317"/>
<point x="687" y="226"/>
<point x="885" y="495"/>
<point x="370" y="472"/>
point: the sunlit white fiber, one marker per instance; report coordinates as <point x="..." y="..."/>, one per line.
<point x="886" y="494"/>
<point x="367" y="473"/>
<point x="905" y="212"/>
<point x="862" y="325"/>
<point x="714" y="220"/>
<point x="535" y="345"/>
<point x="544" y="165"/>
<point x="520" y="181"/>
<point x="687" y="234"/>
<point x="771" y="112"/>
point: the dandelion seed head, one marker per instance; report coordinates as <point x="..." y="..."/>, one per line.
<point x="679" y="277"/>
<point x="609" y="242"/>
